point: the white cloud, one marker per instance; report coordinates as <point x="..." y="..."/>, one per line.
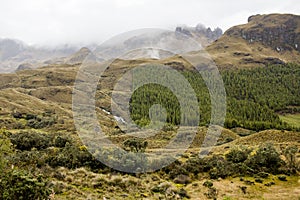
<point x="81" y="21"/>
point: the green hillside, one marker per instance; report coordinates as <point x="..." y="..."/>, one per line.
<point x="254" y="97"/>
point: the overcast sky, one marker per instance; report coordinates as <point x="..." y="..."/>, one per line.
<point x="55" y="22"/>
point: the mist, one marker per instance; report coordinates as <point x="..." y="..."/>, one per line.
<point x="77" y="22"/>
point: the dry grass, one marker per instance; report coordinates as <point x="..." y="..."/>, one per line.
<point x="231" y="189"/>
<point x="233" y="52"/>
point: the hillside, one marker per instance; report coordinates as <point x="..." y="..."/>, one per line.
<point x="256" y="155"/>
<point x="265" y="39"/>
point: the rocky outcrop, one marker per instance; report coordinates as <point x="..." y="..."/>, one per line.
<point x="280" y="32"/>
<point x="264" y="40"/>
<point x="201" y="31"/>
<point x="24" y="66"/>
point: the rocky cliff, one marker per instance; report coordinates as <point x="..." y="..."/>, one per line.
<point x="265" y="39"/>
<point x="280" y="32"/>
<point x="200" y="33"/>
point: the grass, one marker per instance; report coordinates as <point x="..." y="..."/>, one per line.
<point x="231" y="50"/>
<point x="292" y="119"/>
<point x="44" y="89"/>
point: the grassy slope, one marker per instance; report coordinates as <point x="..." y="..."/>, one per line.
<point x="50" y="88"/>
<point x="292" y="119"/>
<point x="231" y="50"/>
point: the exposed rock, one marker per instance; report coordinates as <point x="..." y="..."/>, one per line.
<point x="24" y="66"/>
<point x="280" y="32"/>
<point x="200" y="31"/>
<point x="264" y="40"/>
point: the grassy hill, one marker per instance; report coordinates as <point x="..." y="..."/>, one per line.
<point x="256" y="155"/>
<point x="265" y="39"/>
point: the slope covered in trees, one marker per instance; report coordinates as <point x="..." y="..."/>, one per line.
<point x="254" y="97"/>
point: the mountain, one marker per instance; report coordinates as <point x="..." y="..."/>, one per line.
<point x="78" y="57"/>
<point x="16" y="55"/>
<point x="200" y="33"/>
<point x="43" y="157"/>
<point x="265" y="39"/>
<point x="158" y="43"/>
<point x="10" y="48"/>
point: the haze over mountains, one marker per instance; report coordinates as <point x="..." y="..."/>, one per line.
<point x="16" y="55"/>
<point x="265" y="39"/>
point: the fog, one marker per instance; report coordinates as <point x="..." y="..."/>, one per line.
<point x="55" y="22"/>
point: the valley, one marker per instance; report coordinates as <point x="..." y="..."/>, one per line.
<point x="256" y="155"/>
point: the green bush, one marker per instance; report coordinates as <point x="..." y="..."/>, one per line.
<point x="30" y="139"/>
<point x="135" y="145"/>
<point x="266" y="159"/>
<point x="237" y="155"/>
<point x="71" y="156"/>
<point x="39" y="123"/>
<point x="61" y="141"/>
<point x="291" y="159"/>
<point x="5" y="150"/>
<point x="18" y="184"/>
<point x="282" y="178"/>
<point x="15" y="183"/>
<point x="208" y="184"/>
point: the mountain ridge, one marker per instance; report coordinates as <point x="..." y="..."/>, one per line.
<point x="265" y="39"/>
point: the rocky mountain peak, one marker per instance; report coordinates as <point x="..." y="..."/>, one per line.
<point x="264" y="40"/>
<point x="281" y="32"/>
<point x="207" y="35"/>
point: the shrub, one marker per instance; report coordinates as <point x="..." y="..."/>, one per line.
<point x="71" y="156"/>
<point x="208" y="184"/>
<point x="183" y="193"/>
<point x="18" y="184"/>
<point x="38" y="123"/>
<point x="263" y="175"/>
<point x="5" y="150"/>
<point x="168" y="127"/>
<point x="282" y="178"/>
<point x="29" y="140"/>
<point x="195" y="165"/>
<point x="221" y="168"/>
<point x="266" y="158"/>
<point x="17" y="115"/>
<point x="175" y="169"/>
<point x="259" y="180"/>
<point x="270" y="184"/>
<point x="60" y="141"/>
<point x="237" y="155"/>
<point x="290" y="155"/>
<point x="135" y="145"/>
<point x="212" y="193"/>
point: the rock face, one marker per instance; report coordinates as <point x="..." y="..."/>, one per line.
<point x="167" y="41"/>
<point x="264" y="40"/>
<point x="201" y="32"/>
<point x="280" y="32"/>
<point x="24" y="66"/>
